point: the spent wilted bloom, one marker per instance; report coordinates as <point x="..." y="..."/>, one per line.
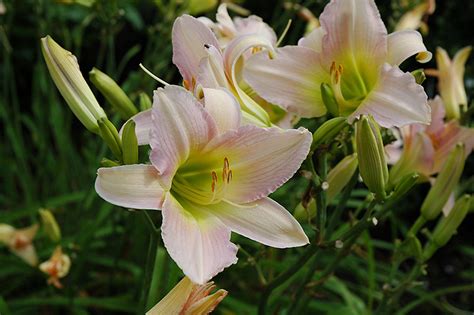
<point x="56" y="267"/>
<point x="20" y="241"/>
<point x="450" y="75"/>
<point x="187" y="298"/>
<point x="210" y="176"/>
<point x="355" y="60"/>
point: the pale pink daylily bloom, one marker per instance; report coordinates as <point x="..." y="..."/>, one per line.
<point x="353" y="53"/>
<point x="416" y="18"/>
<point x="425" y="148"/>
<point x="225" y="28"/>
<point x="450" y="75"/>
<point x="188" y="298"/>
<point x="210" y="176"/>
<point x="20" y="242"/>
<point x="203" y="63"/>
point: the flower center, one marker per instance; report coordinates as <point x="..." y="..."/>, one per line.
<point x="201" y="183"/>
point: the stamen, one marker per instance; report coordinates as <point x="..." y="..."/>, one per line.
<point x="214" y="181"/>
<point x="333" y="68"/>
<point x="229" y="177"/>
<point x="153" y="76"/>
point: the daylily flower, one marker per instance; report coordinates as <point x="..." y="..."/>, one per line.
<point x="210" y="176"/>
<point x="187" y="298"/>
<point x="227" y="28"/>
<point x="203" y="64"/>
<point x="56" y="267"/>
<point x="425" y="148"/>
<point x="416" y="18"/>
<point x="354" y="55"/>
<point x="450" y="75"/>
<point x="20" y="242"/>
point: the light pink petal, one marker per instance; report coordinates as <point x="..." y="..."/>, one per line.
<point x="232" y="55"/>
<point x="355" y="38"/>
<point x="130" y="186"/>
<point x="393" y="151"/>
<point x="211" y="70"/>
<point x="261" y="159"/>
<point x="143" y="124"/>
<point x="27" y="253"/>
<point x="181" y="125"/>
<point x="291" y="79"/>
<point x="189" y="36"/>
<point x="198" y="243"/>
<point x="255" y="25"/>
<point x="313" y="40"/>
<point x="264" y="221"/>
<point x="404" y="44"/>
<point x="223" y="107"/>
<point x="396" y="101"/>
<point x="226" y="25"/>
<point x="437" y="116"/>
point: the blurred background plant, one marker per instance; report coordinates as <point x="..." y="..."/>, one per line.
<point x="49" y="161"/>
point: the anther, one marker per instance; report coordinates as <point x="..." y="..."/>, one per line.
<point x="229" y="176"/>
<point x="214" y="181"/>
<point x="333" y="67"/>
<point x="207" y="46"/>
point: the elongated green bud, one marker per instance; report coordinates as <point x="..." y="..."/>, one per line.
<point x="340" y="175"/>
<point x="105" y="162"/>
<point x="113" y="93"/>
<point x="329" y="100"/>
<point x="445" y="182"/>
<point x="419" y="76"/>
<point x="109" y="133"/>
<point x="404" y="185"/>
<point x="67" y="76"/>
<point x="447" y="226"/>
<point x="302" y="214"/>
<point x="370" y="150"/>
<point x="129" y="143"/>
<point x="328" y="131"/>
<point x="145" y="101"/>
<point x="50" y="225"/>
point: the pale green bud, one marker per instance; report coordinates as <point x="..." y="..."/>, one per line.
<point x="340" y="175"/>
<point x="50" y="225"/>
<point x="109" y="133"/>
<point x="145" y="101"/>
<point x="67" y="76"/>
<point x="113" y="93"/>
<point x="419" y="76"/>
<point x="404" y="185"/>
<point x="447" y="226"/>
<point x="129" y="143"/>
<point x="329" y="99"/>
<point x="445" y="182"/>
<point x="372" y="166"/>
<point x="302" y="214"/>
<point x="328" y="131"/>
<point x="200" y="6"/>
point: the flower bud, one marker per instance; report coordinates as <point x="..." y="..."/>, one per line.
<point x="113" y="93"/>
<point x="329" y="100"/>
<point x="145" y="101"/>
<point x="445" y="182"/>
<point x="189" y="298"/>
<point x="404" y="185"/>
<point x="371" y="154"/>
<point x="50" y="225"/>
<point x="65" y="72"/>
<point x="328" y="131"/>
<point x="200" y="6"/>
<point x="419" y="76"/>
<point x="340" y="175"/>
<point x="302" y="214"/>
<point x="109" y="133"/>
<point x="129" y="143"/>
<point x="447" y="226"/>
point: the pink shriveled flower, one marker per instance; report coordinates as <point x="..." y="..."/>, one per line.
<point x="425" y="148"/>
<point x="20" y="242"/>
<point x="210" y="176"/>
<point x="354" y="55"/>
